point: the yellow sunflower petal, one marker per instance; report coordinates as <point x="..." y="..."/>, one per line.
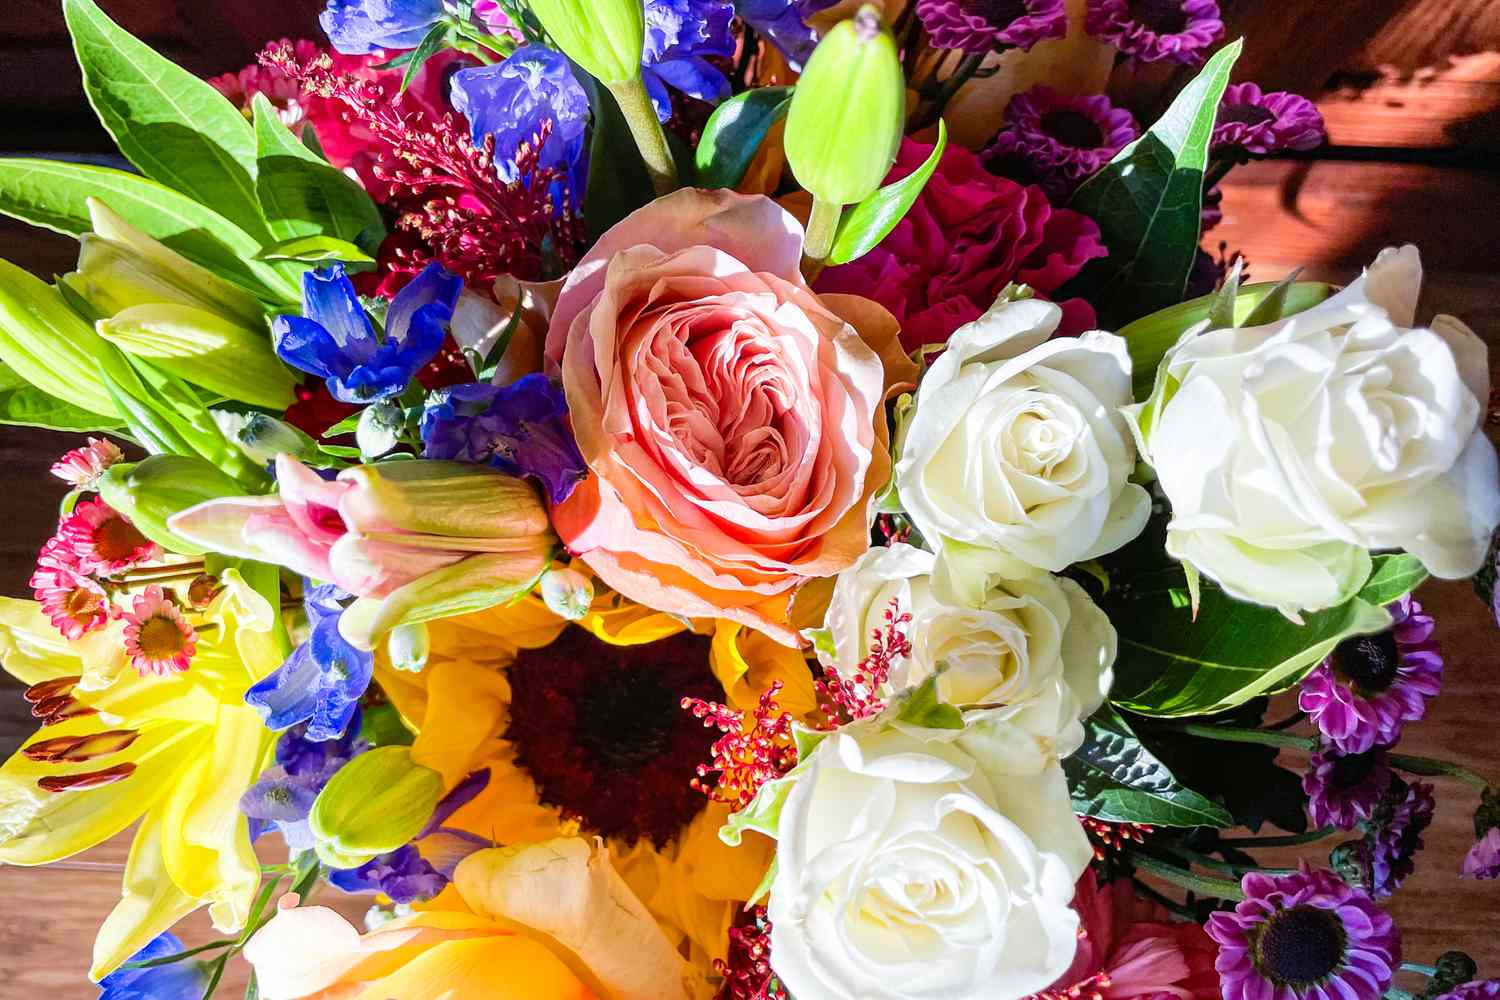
<point x="498" y="968"/>
<point x="747" y="663"/>
<point x="466" y="712"/>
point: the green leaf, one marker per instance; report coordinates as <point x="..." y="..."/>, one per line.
<point x="1222" y="302"/>
<point x="27" y="406"/>
<point x="300" y="194"/>
<point x="1114" y="778"/>
<point x="169" y="123"/>
<point x="315" y="250"/>
<point x="735" y="132"/>
<point x="1172" y="665"/>
<point x="1273" y="306"/>
<point x="872" y="220"/>
<point x="431" y="43"/>
<point x="1148" y="202"/>
<point x="618" y="183"/>
<point x="924" y="707"/>
<point x="53" y="194"/>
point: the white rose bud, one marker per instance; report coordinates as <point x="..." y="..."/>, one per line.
<point x="917" y="864"/>
<point x="1017" y="444"/>
<point x="1290" y="450"/>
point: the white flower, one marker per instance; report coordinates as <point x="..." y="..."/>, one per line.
<point x="1037" y="646"/>
<point x="1017" y="443"/>
<point x="1289" y="450"/>
<point x="917" y="864"/>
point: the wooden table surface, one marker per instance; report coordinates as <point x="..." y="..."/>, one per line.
<point x="1411" y="91"/>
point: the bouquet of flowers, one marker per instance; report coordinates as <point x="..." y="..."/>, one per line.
<point x="674" y="499"/>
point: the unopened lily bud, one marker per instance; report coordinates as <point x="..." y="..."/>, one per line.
<point x="605" y="37"/>
<point x="567" y="593"/>
<point x="848" y="111"/>
<point x="204" y="348"/>
<point x="408" y="647"/>
<point x="375" y="803"/>
<point x="152" y="490"/>
<point x="49" y="345"/>
<point x="379" y="429"/>
<point x="262" y="437"/>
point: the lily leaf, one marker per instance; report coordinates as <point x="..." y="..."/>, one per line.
<point x="25" y="405"/>
<point x="617" y="183"/>
<point x="300" y="194"/>
<point x="735" y="132"/>
<point x="872" y="220"/>
<point x="1114" y="777"/>
<point x="316" y="250"/>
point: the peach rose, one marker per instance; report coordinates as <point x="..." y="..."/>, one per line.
<point x="731" y="417"/>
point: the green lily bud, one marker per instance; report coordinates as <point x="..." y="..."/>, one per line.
<point x="46" y="343"/>
<point x="375" y="803"/>
<point x="605" y="37"/>
<point x="567" y="593"/>
<point x="848" y="111"/>
<point x="204" y="348"/>
<point x="152" y="490"/>
<point x="452" y="499"/>
<point x="262" y="437"/>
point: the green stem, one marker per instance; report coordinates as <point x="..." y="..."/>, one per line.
<point x="177" y="956"/>
<point x="1227" y="867"/>
<point x="645" y="127"/>
<point x="1231" y="734"/>
<point x="1219" y="888"/>
<point x="950" y="86"/>
<point x="1432" y="767"/>
<point x="822" y="227"/>
<point x="216" y="975"/>
<point x="1422" y="970"/>
<point x="1290" y="840"/>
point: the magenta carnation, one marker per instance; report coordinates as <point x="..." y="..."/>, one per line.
<point x="1267" y="123"/>
<point x="978" y="26"/>
<point x="969" y="235"/>
<point x="1151" y="30"/>
<point x="1059" y="140"/>
<point x="1344" y="789"/>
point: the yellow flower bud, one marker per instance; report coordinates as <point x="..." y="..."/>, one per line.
<point x="375" y="803"/>
<point x="848" y="111"/>
<point x="46" y="343"/>
<point x="605" y="37"/>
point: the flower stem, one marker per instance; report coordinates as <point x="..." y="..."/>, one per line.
<point x="1220" y="888"/>
<point x="177" y="956"/>
<point x="1422" y="970"/>
<point x="1290" y="840"/>
<point x="822" y="227"/>
<point x="645" y="127"/>
<point x="1432" y="767"/>
<point x="1227" y="867"/>
<point x="1231" y="734"/>
<point x="933" y="110"/>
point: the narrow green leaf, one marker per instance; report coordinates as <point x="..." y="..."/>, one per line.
<point x="173" y="126"/>
<point x="1273" y="306"/>
<point x="617" y="183"/>
<point x="869" y="222"/>
<point x="1221" y="306"/>
<point x="734" y="134"/>
<point x="431" y="43"/>
<point x="28" y="406"/>
<point x="1113" y="777"/>
<point x="315" y="250"/>
<point x="1148" y="202"/>
<point x="300" y="194"/>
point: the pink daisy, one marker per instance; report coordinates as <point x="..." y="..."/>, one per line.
<point x="81" y="466"/>
<point x="157" y="638"/>
<point x="73" y="602"/>
<point x="102" y="540"/>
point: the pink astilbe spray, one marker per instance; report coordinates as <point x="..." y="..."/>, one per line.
<point x="747" y="756"/>
<point x="858" y="696"/>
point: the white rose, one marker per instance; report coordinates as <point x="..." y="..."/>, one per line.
<point x="1289" y="450"/>
<point x="1037" y="646"/>
<point x="918" y="864"/>
<point x="1017" y="443"/>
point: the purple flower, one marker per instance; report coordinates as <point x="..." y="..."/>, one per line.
<point x="1267" y="123"/>
<point x="784" y="22"/>
<point x="1396" y="836"/>
<point x="1304" y="936"/>
<point x="1371" y="685"/>
<point x="681" y="36"/>
<point x="356" y="27"/>
<point x="285" y="793"/>
<point x="1150" y="30"/>
<point x="978" y="26"/>
<point x="333" y="338"/>
<point x="182" y="980"/>
<point x="1058" y="140"/>
<point x="1479" y="989"/>
<point x="510" y="100"/>
<point x="1343" y="789"/>
<point x="322" y="681"/>
<point x="1483" y="859"/>
<point x="519" y="428"/>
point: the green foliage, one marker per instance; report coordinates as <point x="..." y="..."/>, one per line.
<point x="734" y="134"/>
<point x="300" y="194"/>
<point x="872" y="220"/>
<point x="618" y="183"/>
<point x="317" y="250"/>
<point x="925" y="707"/>
<point x="1114" y="777"/>
<point x="24" y="404"/>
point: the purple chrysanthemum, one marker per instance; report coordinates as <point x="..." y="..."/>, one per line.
<point x="1058" y="140"/>
<point x="978" y="26"/>
<point x="1396" y="836"/>
<point x="1150" y="30"/>
<point x="1479" y="989"/>
<point x="1304" y="936"/>
<point x="1483" y="859"/>
<point x="1267" y="123"/>
<point x="1371" y="685"/>
<point x="1343" y="789"/>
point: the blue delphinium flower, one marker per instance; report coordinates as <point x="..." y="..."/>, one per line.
<point x="322" y="681"/>
<point x="284" y="795"/>
<point x="356" y="27"/>
<point x="520" y="429"/>
<point x="784" y="22"/>
<point x="680" y="37"/>
<point x="183" y="980"/>
<point x="510" y="100"/>
<point x="334" y="339"/>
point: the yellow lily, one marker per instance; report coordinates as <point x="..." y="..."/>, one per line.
<point x="174" y="752"/>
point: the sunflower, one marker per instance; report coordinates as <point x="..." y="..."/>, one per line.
<point x="581" y="729"/>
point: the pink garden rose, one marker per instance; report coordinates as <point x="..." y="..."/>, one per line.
<point x="731" y="418"/>
<point x="969" y="235"/>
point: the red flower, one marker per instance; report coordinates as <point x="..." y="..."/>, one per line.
<point x="968" y="236"/>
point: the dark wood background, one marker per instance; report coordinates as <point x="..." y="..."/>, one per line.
<point x="1411" y="92"/>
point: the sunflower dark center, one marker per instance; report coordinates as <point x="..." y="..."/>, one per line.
<point x="1351" y="770"/>
<point x="1245" y="114"/>
<point x="600" y="730"/>
<point x="999" y="13"/>
<point x="1165" y="17"/>
<point x="1072" y="128"/>
<point x="1370" y="662"/>
<point x="1300" y="946"/>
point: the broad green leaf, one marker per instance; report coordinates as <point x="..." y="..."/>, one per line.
<point x="925" y="707"/>
<point x="29" y="406"/>
<point x="173" y="126"/>
<point x="53" y="194"/>
<point x="1114" y="778"/>
<point x="300" y="194"/>
<point x="1148" y="202"/>
<point x="734" y="134"/>
<point x="316" y="250"/>
<point x="1172" y="665"/>
<point x="617" y="182"/>
<point x="869" y="222"/>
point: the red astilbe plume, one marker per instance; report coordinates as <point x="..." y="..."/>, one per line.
<point x="747" y="971"/>
<point x="443" y="187"/>
<point x="747" y="755"/>
<point x="857" y="696"/>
